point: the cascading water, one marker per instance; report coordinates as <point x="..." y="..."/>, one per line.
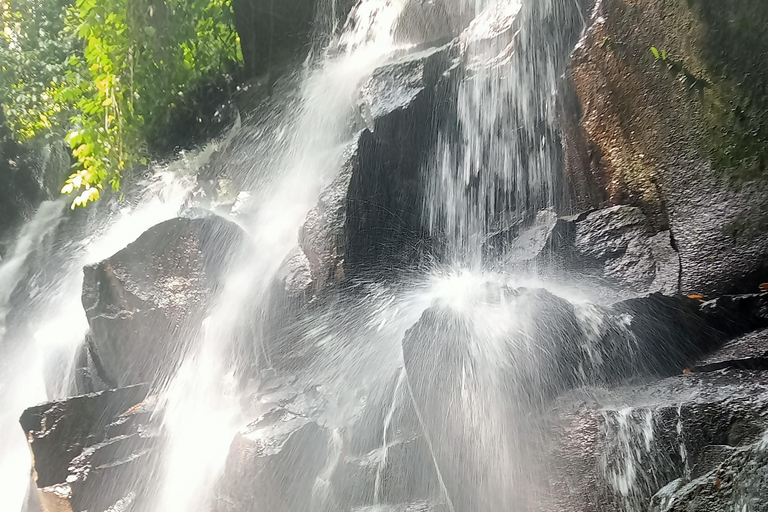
<point x="42" y="286"/>
<point x="305" y="162"/>
<point x="423" y="389"/>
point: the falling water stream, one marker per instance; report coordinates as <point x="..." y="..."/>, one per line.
<point x="483" y="356"/>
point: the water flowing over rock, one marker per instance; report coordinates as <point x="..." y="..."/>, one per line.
<point x="146" y="302"/>
<point x="616" y="449"/>
<point x="504" y="259"/>
<point x="384" y="218"/>
<point x="273" y="463"/>
<point x="88" y="450"/>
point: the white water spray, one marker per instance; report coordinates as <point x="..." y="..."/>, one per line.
<point x="202" y="404"/>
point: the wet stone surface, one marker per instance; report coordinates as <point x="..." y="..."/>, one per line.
<point x="616" y="448"/>
<point x="93" y="451"/>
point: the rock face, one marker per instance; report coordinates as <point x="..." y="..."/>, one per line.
<point x="681" y="137"/>
<point x="613" y="450"/>
<point x="747" y="352"/>
<point x="383" y="213"/>
<point x="272" y="33"/>
<point x="273" y="464"/>
<point x="617" y="246"/>
<point x="145" y="303"/>
<point x="737" y="479"/>
<point x="90" y="452"/>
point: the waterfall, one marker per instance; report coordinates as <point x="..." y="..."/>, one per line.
<point x="201" y="400"/>
<point x="381" y="336"/>
<point x="44" y="270"/>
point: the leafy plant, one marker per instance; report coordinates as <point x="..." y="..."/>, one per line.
<point x="659" y="55"/>
<point x="112" y="73"/>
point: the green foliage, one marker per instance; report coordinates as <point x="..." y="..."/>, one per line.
<point x="115" y="72"/>
<point x="659" y="55"/>
<point x="33" y="59"/>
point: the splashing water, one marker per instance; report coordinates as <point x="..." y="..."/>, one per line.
<point x="202" y="400"/>
<point x="45" y="269"/>
<point x="431" y="386"/>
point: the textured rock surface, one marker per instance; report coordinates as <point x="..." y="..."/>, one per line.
<point x="384" y="225"/>
<point x="145" y="303"/>
<point x="618" y="247"/>
<point x="748" y="352"/>
<point x="682" y="138"/>
<point x="615" y="449"/>
<point x="89" y="451"/>
<point x="273" y="464"/>
<point x="737" y="480"/>
<point x="668" y="334"/>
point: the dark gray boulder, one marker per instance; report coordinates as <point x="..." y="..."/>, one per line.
<point x="737" y="314"/>
<point x="617" y="246"/>
<point x="273" y="464"/>
<point x="145" y="303"/>
<point x="737" y="480"/>
<point x="400" y="472"/>
<point x="321" y="238"/>
<point x="91" y="451"/>
<point x="747" y="352"/>
<point x="462" y="367"/>
<point x="272" y="34"/>
<point x="668" y="334"/>
<point x="613" y="449"/>
<point x="384" y="227"/>
<point x="386" y="458"/>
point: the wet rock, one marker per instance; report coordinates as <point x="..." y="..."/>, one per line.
<point x="419" y="506"/>
<point x="739" y="482"/>
<point x="431" y="21"/>
<point x="272" y="34"/>
<point x="111" y="471"/>
<point x="89" y="451"/>
<point x="59" y="431"/>
<point x="145" y="303"/>
<point x="399" y="466"/>
<point x="322" y="237"/>
<point x="737" y="314"/>
<point x="680" y="138"/>
<point x="273" y="464"/>
<point x="87" y="371"/>
<point x="384" y="227"/>
<point x="461" y="366"/>
<point x="669" y="333"/>
<point x="614" y="449"/>
<point x="747" y="352"/>
<point x="401" y="472"/>
<point x="618" y="245"/>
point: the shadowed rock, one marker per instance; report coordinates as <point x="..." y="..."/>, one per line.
<point x="146" y="303"/>
<point x="91" y="451"/>
<point x="273" y="464"/>
<point x="747" y="352"/>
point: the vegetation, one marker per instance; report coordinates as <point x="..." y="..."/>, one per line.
<point x="107" y="75"/>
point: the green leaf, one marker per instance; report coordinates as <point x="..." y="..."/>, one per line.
<point x="655" y="52"/>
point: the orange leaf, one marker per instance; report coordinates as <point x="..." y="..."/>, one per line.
<point x="764" y="287"/>
<point x="686" y="372"/>
<point x="696" y="297"/>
